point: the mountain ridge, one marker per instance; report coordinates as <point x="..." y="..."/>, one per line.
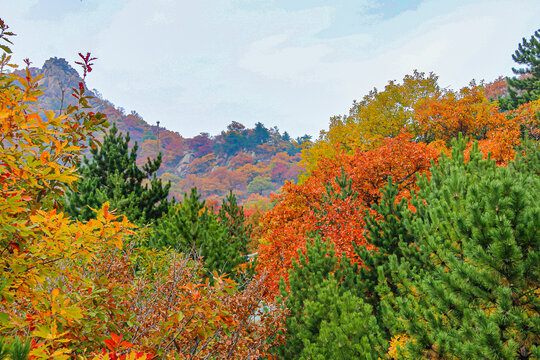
<point x="250" y="162"/>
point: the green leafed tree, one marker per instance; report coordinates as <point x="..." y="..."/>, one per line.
<point x="479" y="225"/>
<point x="111" y="174"/>
<point x="260" y="184"/>
<point x="526" y="87"/>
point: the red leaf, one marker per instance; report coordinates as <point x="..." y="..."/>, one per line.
<point x="111" y="345"/>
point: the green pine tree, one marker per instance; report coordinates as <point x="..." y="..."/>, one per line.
<point x="113" y="175"/>
<point x="14" y="348"/>
<point x="348" y="329"/>
<point x="526" y="89"/>
<point x="232" y="216"/>
<point x="191" y="227"/>
<point x="479" y="225"/>
<point x="327" y="319"/>
<point x="388" y="230"/>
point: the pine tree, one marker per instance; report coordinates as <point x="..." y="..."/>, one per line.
<point x="525" y="88"/>
<point x="286" y="137"/>
<point x="192" y="227"/>
<point x="182" y="227"/>
<point x="260" y="133"/>
<point x="389" y="234"/>
<point x="327" y="319"/>
<point x="232" y="216"/>
<point x="14" y="348"/>
<point x="348" y="329"/>
<point x="480" y="228"/>
<point x="113" y="175"/>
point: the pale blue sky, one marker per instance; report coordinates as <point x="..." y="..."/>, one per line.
<point x="198" y="65"/>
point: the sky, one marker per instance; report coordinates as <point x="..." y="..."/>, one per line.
<point x="196" y="66"/>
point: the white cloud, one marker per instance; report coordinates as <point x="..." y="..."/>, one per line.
<point x="268" y="58"/>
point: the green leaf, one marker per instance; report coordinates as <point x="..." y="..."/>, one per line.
<point x="4" y="318"/>
<point x="5" y="48"/>
<point x="180" y="316"/>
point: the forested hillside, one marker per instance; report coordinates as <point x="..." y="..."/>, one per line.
<point x="413" y="231"/>
<point x="252" y="162"/>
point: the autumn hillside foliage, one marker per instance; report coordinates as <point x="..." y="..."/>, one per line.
<point x="250" y="161"/>
<point x="413" y="232"/>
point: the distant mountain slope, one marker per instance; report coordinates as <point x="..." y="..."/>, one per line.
<point x="252" y="162"/>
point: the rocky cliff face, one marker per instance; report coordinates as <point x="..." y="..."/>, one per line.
<point x="183" y="167"/>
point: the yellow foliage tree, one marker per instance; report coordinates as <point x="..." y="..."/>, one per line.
<point x="380" y="114"/>
<point x="41" y="250"/>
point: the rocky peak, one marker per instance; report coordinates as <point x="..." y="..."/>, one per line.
<point x="56" y="65"/>
<point x="58" y="80"/>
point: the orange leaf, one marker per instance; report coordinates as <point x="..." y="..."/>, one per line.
<point x="44" y="157"/>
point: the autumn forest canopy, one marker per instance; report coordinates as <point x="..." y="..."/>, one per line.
<point x="409" y="229"/>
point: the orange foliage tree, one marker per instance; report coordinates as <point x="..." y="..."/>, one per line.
<point x="467" y="112"/>
<point x="380" y="114"/>
<point x="303" y="209"/>
<point x="240" y="160"/>
<point x="470" y="113"/>
<point x="43" y="251"/>
<point x="171" y="310"/>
